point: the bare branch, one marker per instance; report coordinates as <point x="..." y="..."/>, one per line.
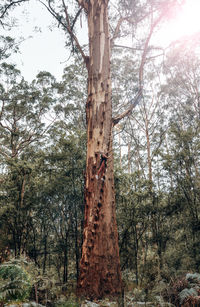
<point x="67" y="26"/>
<point x="32" y="138"/>
<point x="130" y="20"/>
<point x="51" y="11"/>
<point x="138" y="97"/>
<point x="142" y="49"/>
<point x="3" y="153"/>
<point x="69" y="29"/>
<point x="76" y="17"/>
<point x="6" y="127"/>
<point x="133" y="103"/>
<point x="128" y="47"/>
<point x="117" y="29"/>
<point x="2" y="109"/>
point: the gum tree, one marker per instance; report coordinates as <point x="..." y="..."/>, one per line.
<point x="100" y="266"/>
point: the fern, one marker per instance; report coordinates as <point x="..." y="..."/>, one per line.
<point x="194" y="278"/>
<point x="186" y="293"/>
<point x="186" y="288"/>
<point x="14" y="282"/>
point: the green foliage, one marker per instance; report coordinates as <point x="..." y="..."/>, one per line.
<point x="7" y="46"/>
<point x="15" y="282"/>
<point x="182" y="289"/>
<point x="43" y="145"/>
<point x="193" y="278"/>
<point x="194" y="287"/>
<point x="186" y="293"/>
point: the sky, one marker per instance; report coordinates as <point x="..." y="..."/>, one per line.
<point x="43" y="47"/>
<point x="186" y="22"/>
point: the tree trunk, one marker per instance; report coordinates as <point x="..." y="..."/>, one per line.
<point x="45" y="254"/>
<point x="100" y="274"/>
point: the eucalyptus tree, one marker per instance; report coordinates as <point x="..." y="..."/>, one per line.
<point x="7" y="46"/>
<point x="133" y="215"/>
<point x="143" y="135"/>
<point x="51" y="127"/>
<point x="100" y="267"/>
<point x="182" y="157"/>
<point x="22" y="124"/>
<point x="59" y="203"/>
<point x="62" y="171"/>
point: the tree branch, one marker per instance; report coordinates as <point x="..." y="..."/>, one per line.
<point x="5" y="127"/>
<point x="75" y="18"/>
<point x="117" y="29"/>
<point x="2" y="109"/>
<point x="69" y="29"/>
<point x="67" y="26"/>
<point x="144" y="55"/>
<point x="83" y="4"/>
<point x="9" y="5"/>
<point x="133" y="103"/>
<point x="3" y="153"/>
<point x="137" y="99"/>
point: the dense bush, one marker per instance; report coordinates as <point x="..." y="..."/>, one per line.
<point x="183" y="290"/>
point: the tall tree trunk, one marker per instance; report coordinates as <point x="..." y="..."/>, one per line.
<point x="100" y="266"/>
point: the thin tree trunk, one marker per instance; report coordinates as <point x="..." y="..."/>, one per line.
<point x="100" y="266"/>
<point x="136" y="254"/>
<point x="65" y="266"/>
<point x="129" y="157"/>
<point x="76" y="244"/>
<point x="65" y="262"/>
<point x="148" y="152"/>
<point x="45" y="254"/>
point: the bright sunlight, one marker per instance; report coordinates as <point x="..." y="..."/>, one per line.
<point x="187" y="22"/>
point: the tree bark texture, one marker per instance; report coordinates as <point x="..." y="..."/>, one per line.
<point x="100" y="274"/>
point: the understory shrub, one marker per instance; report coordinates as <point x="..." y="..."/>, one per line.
<point x="183" y="290"/>
<point x="15" y="282"/>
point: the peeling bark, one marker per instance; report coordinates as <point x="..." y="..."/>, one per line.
<point x="100" y="266"/>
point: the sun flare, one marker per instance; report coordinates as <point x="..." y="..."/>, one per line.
<point x="189" y="19"/>
<point x="186" y="22"/>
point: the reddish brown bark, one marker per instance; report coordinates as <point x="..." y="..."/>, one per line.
<point x="100" y="266"/>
